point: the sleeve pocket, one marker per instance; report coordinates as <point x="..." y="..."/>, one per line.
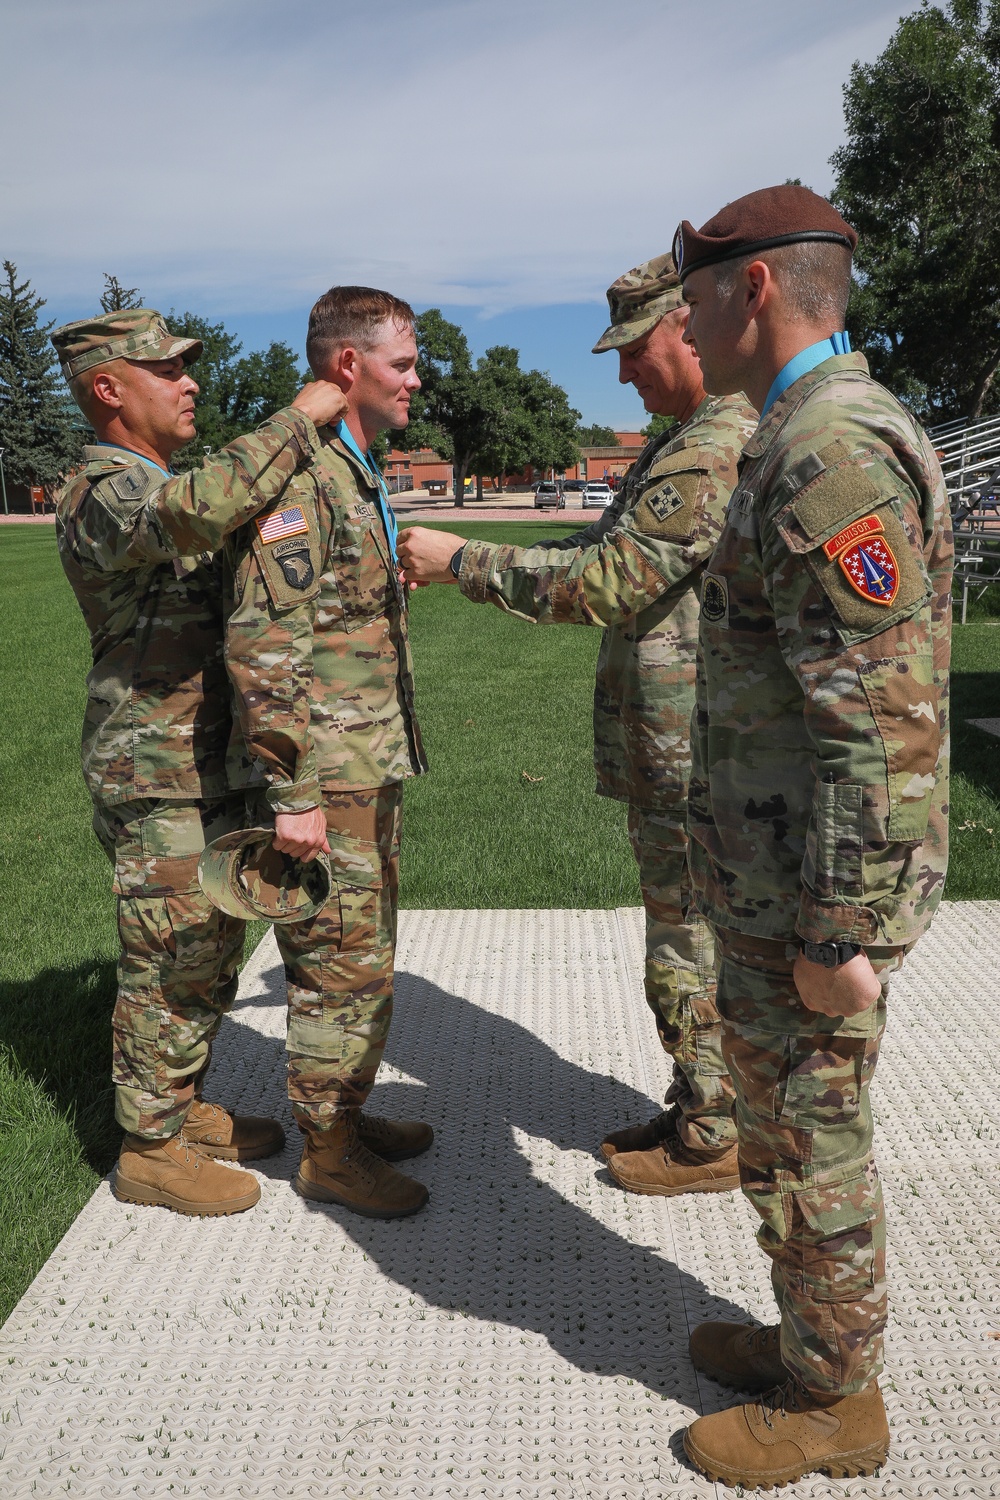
<point x="904" y="704"/>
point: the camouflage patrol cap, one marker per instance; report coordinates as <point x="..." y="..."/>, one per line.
<point x="244" y="874"/>
<point x="638" y="300"/>
<point x="134" y="333"/>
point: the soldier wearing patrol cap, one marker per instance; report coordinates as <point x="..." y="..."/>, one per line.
<point x="635" y="572"/>
<point x="818" y="809"/>
<point x="137" y="546"/>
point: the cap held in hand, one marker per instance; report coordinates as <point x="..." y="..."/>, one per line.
<point x="243" y="874"/>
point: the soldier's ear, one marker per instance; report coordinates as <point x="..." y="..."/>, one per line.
<point x="106" y="392"/>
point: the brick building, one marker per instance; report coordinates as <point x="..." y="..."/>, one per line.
<point x="423" y="469"/>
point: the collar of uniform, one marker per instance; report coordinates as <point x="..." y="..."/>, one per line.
<point x="341" y="449"/>
<point x="795" y="394"/>
<point x="114" y="453"/>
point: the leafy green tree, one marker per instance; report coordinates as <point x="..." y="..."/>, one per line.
<point x="236" y="391"/>
<point x="658" y="423"/>
<point x="489" y="417"/>
<point x="596" y="436"/>
<point x="118" y="298"/>
<point x="919" y="178"/>
<point x="38" y="426"/>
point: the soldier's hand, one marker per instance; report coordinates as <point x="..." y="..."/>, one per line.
<point x="845" y="991"/>
<point x="426" y="555"/>
<point x="303" y="835"/>
<point x="323" y="401"/>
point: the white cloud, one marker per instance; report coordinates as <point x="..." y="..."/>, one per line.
<point x="246" y="154"/>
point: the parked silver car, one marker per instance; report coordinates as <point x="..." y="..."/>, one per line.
<point x="597" y="493"/>
<point x="549" y="492"/>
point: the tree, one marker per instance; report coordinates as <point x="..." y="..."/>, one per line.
<point x="597" y="436"/>
<point x="118" y="298"/>
<point x="658" y="423"/>
<point x="235" y="393"/>
<point x="486" y="418"/>
<point x="919" y="178"/>
<point x="38" y="430"/>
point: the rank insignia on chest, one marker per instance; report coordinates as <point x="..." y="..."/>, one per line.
<point x="664" y="500"/>
<point x="715" y="599"/>
<point x="866" y="560"/>
<point x="282" y="523"/>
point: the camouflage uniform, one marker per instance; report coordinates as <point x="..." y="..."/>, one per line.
<point x="818" y="810"/>
<point x="634" y="572"/>
<point x="137" y="548"/>
<point x="313" y="583"/>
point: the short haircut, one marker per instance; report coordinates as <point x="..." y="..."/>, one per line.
<point x="814" y="275"/>
<point x="351" y="315"/>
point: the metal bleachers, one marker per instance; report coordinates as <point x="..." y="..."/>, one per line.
<point x="970" y="458"/>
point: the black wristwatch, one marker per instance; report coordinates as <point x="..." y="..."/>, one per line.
<point x="456" y="561"/>
<point x="830" y="955"/>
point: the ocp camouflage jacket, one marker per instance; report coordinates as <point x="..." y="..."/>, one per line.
<point x="819" y="788"/>
<point x="316" y="640"/>
<point x="635" y="573"/>
<point x="137" y="549"/>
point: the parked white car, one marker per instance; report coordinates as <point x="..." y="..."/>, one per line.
<point x="597" y="494"/>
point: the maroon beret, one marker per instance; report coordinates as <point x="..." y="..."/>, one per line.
<point x="761" y="221"/>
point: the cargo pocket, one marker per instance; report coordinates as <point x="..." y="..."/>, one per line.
<point x="843" y="1239"/>
<point x="365" y="918"/>
<point x="823" y="1079"/>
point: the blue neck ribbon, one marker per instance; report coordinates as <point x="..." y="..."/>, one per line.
<point x="385" y="509"/>
<point x="168" y="473"/>
<point x="803" y="362"/>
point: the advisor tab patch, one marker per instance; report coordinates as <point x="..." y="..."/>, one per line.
<point x="856" y="532"/>
<point x="871" y="569"/>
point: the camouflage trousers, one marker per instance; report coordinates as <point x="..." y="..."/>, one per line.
<point x="177" y="971"/>
<point x="339" y="964"/>
<point x="805" y="1140"/>
<point x="680" y="983"/>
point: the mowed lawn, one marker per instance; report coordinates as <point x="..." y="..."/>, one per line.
<point x="507" y="818"/>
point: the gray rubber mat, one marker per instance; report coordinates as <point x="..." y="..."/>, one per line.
<point x="526" y="1335"/>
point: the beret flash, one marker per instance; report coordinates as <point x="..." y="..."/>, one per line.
<point x="773" y="216"/>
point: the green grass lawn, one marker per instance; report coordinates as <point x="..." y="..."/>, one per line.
<point x="497" y="699"/>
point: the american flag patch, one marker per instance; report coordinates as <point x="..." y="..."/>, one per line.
<point x="282" y="523"/>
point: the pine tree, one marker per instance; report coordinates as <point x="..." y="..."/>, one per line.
<point x="37" y="431"/>
<point x="118" y="298"/>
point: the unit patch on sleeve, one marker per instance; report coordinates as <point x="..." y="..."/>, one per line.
<point x="131" y="483"/>
<point x="715" y="599"/>
<point x="866" y="559"/>
<point x="295" y="562"/>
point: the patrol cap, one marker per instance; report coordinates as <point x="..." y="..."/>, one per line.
<point x="243" y="874"/>
<point x="133" y="333"/>
<point x="773" y="216"/>
<point x="638" y="300"/>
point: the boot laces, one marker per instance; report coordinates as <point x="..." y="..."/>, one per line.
<point x="377" y="1127"/>
<point x="356" y="1152"/>
<point x="780" y="1400"/>
<point x="765" y="1340"/>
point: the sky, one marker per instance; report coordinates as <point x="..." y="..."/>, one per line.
<point x="504" y="162"/>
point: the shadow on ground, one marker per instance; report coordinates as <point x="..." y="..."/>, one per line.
<point x="500" y="1241"/>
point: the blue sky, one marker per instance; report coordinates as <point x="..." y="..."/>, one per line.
<point x="504" y="163"/>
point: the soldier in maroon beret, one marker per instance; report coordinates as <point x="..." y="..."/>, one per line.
<point x="817" y="809"/>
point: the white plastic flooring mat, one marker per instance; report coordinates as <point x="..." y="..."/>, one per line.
<point x="525" y="1336"/>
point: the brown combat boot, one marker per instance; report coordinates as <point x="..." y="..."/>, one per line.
<point x="789" y="1433"/>
<point x="744" y="1357"/>
<point x="394" y="1140"/>
<point x="231" y="1137"/>
<point x="641" y="1137"/>
<point x="174" y="1174"/>
<point x="337" y="1168"/>
<point x="671" y="1169"/>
